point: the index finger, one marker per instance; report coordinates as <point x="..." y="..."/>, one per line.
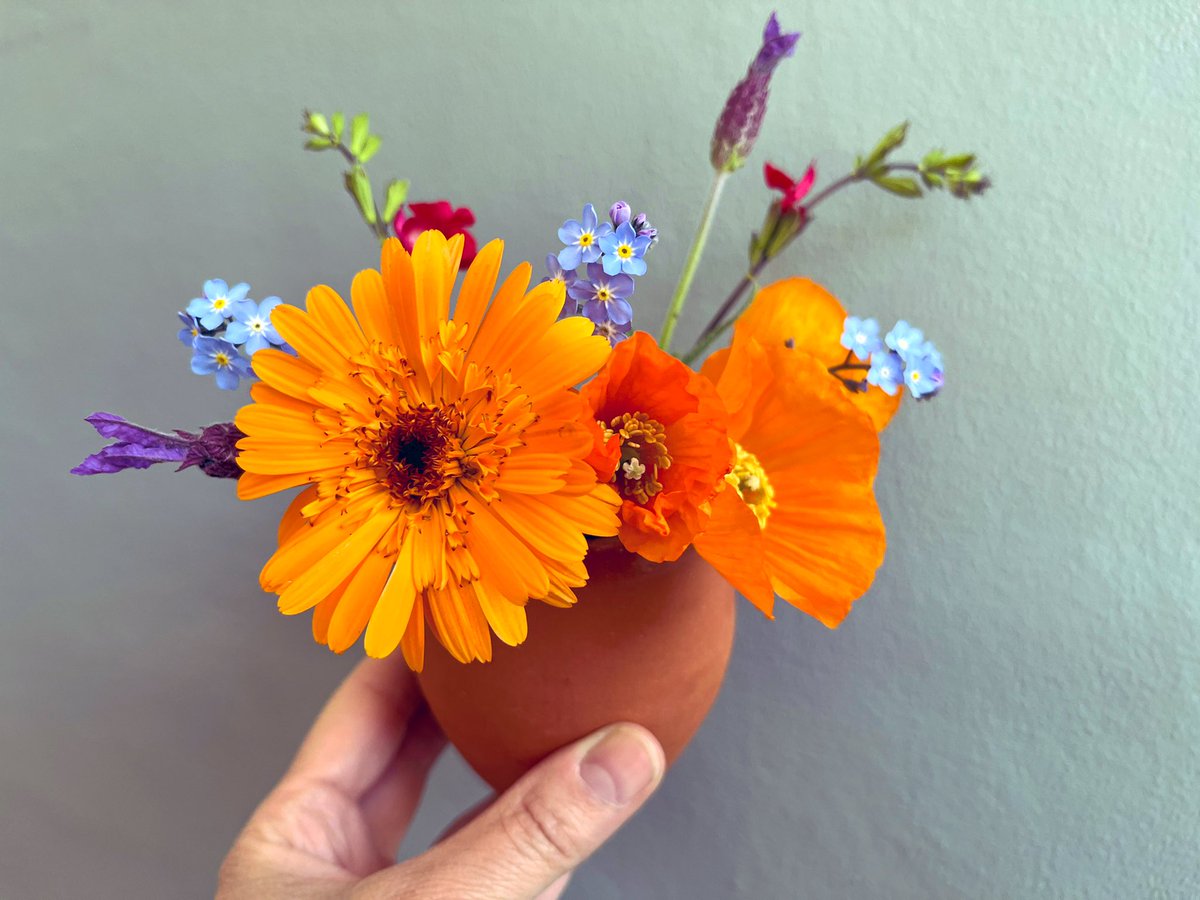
<point x="361" y="727"/>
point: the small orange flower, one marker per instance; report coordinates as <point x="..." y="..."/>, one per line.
<point x="799" y="518"/>
<point x="669" y="426"/>
<point x="802" y="314"/>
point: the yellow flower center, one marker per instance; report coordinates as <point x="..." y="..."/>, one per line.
<point x="625" y="251"/>
<point x="256" y="325"/>
<point x="915" y="375"/>
<point x="750" y="481"/>
<point x="643" y="455"/>
<point x="586" y="239"/>
<point x="222" y="358"/>
<point x="603" y="294"/>
<point x="219" y="303"/>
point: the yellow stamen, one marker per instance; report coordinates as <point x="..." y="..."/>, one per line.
<point x="624" y="251"/>
<point x="586" y="239"/>
<point x="751" y="483"/>
<point x="643" y="454"/>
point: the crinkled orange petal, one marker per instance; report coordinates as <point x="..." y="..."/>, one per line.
<point x="803" y="312"/>
<point x="824" y="540"/>
<point x="732" y="543"/>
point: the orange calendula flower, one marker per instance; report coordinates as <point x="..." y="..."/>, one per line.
<point x="664" y="443"/>
<point x="799" y="517"/>
<point x="800" y="313"/>
<point x="445" y="455"/>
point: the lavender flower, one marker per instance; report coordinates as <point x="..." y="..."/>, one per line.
<point x="582" y="239"/>
<point x="604" y="297"/>
<point x="886" y="372"/>
<point x="739" y="123"/>
<point x="213" y="450"/>
<point x="213" y="356"/>
<point x="218" y="302"/>
<point x="644" y="229"/>
<point x="861" y="336"/>
<point x="190" y="331"/>
<point x="623" y="251"/>
<point x="252" y="326"/>
<point x="614" y="332"/>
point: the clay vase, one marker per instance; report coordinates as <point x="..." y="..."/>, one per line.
<point x="646" y="643"/>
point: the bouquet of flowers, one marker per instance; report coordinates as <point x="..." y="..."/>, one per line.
<point x="464" y="457"/>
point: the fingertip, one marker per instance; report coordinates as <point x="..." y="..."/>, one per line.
<point x="622" y="763"/>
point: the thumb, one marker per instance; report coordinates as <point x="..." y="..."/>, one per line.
<point x="550" y="821"/>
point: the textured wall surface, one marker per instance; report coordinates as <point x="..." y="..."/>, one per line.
<point x="1012" y="711"/>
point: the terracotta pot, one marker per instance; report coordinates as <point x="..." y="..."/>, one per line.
<point x="646" y="643"/>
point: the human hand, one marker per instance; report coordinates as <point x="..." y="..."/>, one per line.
<point x="333" y="824"/>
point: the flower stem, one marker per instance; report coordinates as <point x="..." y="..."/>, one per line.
<point x="693" y="259"/>
<point x="719" y="323"/>
<point x="379" y="227"/>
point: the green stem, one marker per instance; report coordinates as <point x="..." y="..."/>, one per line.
<point x="379" y="228"/>
<point x="719" y="324"/>
<point x="693" y="259"/>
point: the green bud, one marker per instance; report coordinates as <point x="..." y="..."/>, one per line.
<point x="318" y="144"/>
<point x="964" y="185"/>
<point x="359" y="187"/>
<point x="359" y="131"/>
<point x="338" y="124"/>
<point x="900" y="185"/>
<point x="315" y="123"/>
<point x="370" y="147"/>
<point x="397" y="193"/>
<point x="886" y="145"/>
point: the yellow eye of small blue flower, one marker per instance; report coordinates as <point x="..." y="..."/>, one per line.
<point x="219" y="303"/>
<point x="585" y="239"/>
<point x="624" y="251"/>
<point x="222" y="359"/>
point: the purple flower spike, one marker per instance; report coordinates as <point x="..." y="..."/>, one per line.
<point x="776" y="46"/>
<point x="740" y="120"/>
<point x="135" y="448"/>
<point x="214" y="450"/>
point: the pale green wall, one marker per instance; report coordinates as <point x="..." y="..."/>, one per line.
<point x="1011" y="712"/>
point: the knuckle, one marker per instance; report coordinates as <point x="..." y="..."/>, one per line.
<point x="540" y="831"/>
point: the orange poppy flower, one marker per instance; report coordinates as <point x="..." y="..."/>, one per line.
<point x="671" y="451"/>
<point x="445" y="455"/>
<point x="803" y="314"/>
<point x="799" y="518"/>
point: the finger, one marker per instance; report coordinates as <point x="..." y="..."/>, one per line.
<point x="543" y="826"/>
<point x="361" y="727"/>
<point x="556" y="889"/>
<point x="389" y="805"/>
